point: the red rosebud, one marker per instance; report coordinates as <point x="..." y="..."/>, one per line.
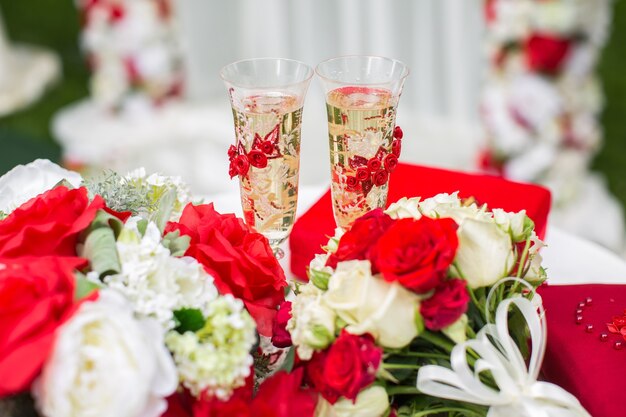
<point x="232" y="170"/>
<point x="242" y="165"/>
<point x="351" y="182"/>
<point x="232" y="152"/>
<point x="345" y="368"/>
<point x="257" y="158"/>
<point x="357" y="242"/>
<point x="396" y="147"/>
<point x="267" y="147"/>
<point x="546" y="53"/>
<point x="357" y="161"/>
<point x="447" y="305"/>
<point x="391" y="162"/>
<point x="416" y="253"/>
<point x="366" y="186"/>
<point x="280" y="336"/>
<point x="381" y="177"/>
<point x="374" y="165"/>
<point x="362" y="173"/>
<point x="398" y="133"/>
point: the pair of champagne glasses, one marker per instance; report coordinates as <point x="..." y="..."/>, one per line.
<point x="267" y="97"/>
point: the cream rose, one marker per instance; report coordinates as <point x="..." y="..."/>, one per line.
<point x="485" y="253"/>
<point x="371" y="402"/>
<point x="369" y="304"/>
<point x="107" y="363"/>
<point x="27" y="181"/>
<point x="405" y="208"/>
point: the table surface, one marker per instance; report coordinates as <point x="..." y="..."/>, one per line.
<point x="568" y="259"/>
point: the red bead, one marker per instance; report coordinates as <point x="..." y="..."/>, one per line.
<point x="579" y="311"/>
<point x="579" y="319"/>
<point x="589" y="301"/>
<point x="589" y="328"/>
<point x="581" y="304"/>
<point x="604" y="337"/>
<point x="398" y="133"/>
<point x="618" y="345"/>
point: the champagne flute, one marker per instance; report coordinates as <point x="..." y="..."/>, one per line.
<point x="267" y="95"/>
<point x="362" y="94"/>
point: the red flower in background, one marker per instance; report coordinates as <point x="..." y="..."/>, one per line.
<point x="280" y="336"/>
<point x="357" y="242"/>
<point x="546" y="53"/>
<point x="239" y="259"/>
<point x="49" y="224"/>
<point x="416" y="253"/>
<point x="36" y="297"/>
<point x="345" y="368"/>
<point x="447" y="305"/>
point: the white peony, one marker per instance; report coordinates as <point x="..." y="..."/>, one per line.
<point x="216" y="359"/>
<point x="154" y="281"/>
<point x="485" y="254"/>
<point x="28" y="181"/>
<point x="312" y="322"/>
<point x="369" y="304"/>
<point x="405" y="208"/>
<point x="106" y="363"/>
<point x="371" y="402"/>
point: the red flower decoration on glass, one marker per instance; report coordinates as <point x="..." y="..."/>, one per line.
<point x="261" y="151"/>
<point x="345" y="368"/>
<point x="239" y="259"/>
<point x="546" y="53"/>
<point x="447" y="304"/>
<point x="416" y="253"/>
<point x="618" y="325"/>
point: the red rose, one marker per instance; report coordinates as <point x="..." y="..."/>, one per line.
<point x="416" y="253"/>
<point x="36" y="297"/>
<point x="257" y="158"/>
<point x="391" y="162"/>
<point x="374" y="165"/>
<point x="344" y="369"/>
<point x="396" y="147"/>
<point x="267" y="147"/>
<point x="362" y="173"/>
<point x="282" y="396"/>
<point x="357" y="242"/>
<point x="232" y="152"/>
<point x="546" y="53"/>
<point x="232" y="170"/>
<point x="49" y="224"/>
<point x="381" y="177"/>
<point x="398" y="133"/>
<point x="241" y="164"/>
<point x="448" y="303"/>
<point x="280" y="336"/>
<point x="239" y="259"/>
<point x="351" y="182"/>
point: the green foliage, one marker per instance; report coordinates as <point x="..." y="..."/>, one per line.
<point x="84" y="287"/>
<point x="176" y="243"/>
<point x="188" y="320"/>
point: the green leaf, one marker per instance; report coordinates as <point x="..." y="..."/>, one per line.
<point x="289" y="360"/>
<point x="188" y="320"/>
<point x="176" y="243"/>
<point x="142" y="226"/>
<point x="165" y="208"/>
<point x="84" y="287"/>
<point x="319" y="278"/>
<point x="104" y="219"/>
<point x="101" y="251"/>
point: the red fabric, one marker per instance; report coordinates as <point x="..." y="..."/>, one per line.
<point x="312" y="230"/>
<point x="578" y="361"/>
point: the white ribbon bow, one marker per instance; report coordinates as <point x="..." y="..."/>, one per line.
<point x="519" y="394"/>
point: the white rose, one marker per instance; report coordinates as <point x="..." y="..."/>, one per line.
<point x="27" y="181"/>
<point x="558" y="17"/>
<point x="449" y="206"/>
<point x="457" y="330"/>
<point x="107" y="363"/>
<point x="485" y="253"/>
<point x="429" y="206"/>
<point x="371" y="402"/>
<point x="405" y="208"/>
<point x="312" y="323"/>
<point x="518" y="225"/>
<point x="371" y="305"/>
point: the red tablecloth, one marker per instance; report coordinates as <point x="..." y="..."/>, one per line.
<point x="312" y="230"/>
<point x="578" y="361"/>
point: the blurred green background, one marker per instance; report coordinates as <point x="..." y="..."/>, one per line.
<point x="25" y="136"/>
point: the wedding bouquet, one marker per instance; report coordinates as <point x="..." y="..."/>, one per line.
<point x="542" y="100"/>
<point x="119" y="297"/>
<point x="411" y="291"/>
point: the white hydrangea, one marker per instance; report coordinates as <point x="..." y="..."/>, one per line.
<point x="156" y="282"/>
<point x="216" y="359"/>
<point x="161" y="184"/>
<point x="312" y="323"/>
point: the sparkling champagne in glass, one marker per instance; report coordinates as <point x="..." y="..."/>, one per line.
<point x="267" y="96"/>
<point x="362" y="94"/>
